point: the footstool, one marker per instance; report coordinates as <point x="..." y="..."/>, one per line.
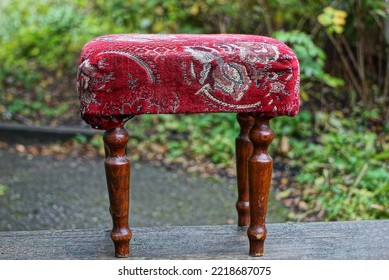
<point x="124" y="75"/>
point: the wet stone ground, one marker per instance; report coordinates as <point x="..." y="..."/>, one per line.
<point x="45" y="193"/>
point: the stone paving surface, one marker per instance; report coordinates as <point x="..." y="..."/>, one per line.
<point x="46" y="193"/>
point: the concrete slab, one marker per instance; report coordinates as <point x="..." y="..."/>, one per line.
<point x="43" y="193"/>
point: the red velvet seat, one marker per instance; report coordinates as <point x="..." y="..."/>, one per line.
<point x="122" y="75"/>
<point x="131" y="74"/>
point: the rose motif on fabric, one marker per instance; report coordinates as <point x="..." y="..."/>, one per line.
<point x="258" y="53"/>
<point x="232" y="79"/>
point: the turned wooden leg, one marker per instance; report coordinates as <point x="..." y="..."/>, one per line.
<point x="243" y="149"/>
<point x="117" y="170"/>
<point x="260" y="166"/>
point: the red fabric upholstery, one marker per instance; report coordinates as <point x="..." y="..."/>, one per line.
<point x="124" y="75"/>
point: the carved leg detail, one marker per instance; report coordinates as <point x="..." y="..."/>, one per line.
<point x="244" y="149"/>
<point x="117" y="170"/>
<point x="260" y="166"/>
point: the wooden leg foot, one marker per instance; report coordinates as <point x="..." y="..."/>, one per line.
<point x="244" y="149"/>
<point x="121" y="239"/>
<point x="260" y="166"/>
<point x="257" y="238"/>
<point x="117" y="170"/>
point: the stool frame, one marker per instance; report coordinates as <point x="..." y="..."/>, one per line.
<point x="254" y="171"/>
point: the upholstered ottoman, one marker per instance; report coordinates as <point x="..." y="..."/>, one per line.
<point x="124" y="75"/>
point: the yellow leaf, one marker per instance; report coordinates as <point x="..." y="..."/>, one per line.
<point x="324" y="19"/>
<point x="304" y="95"/>
<point x="284" y="146"/>
<point x="158" y="26"/>
<point x="194" y="10"/>
<point x="284" y="194"/>
<point x="338" y="29"/>
<point x="340" y="13"/>
<point x="339" y="21"/>
<point x="329" y="10"/>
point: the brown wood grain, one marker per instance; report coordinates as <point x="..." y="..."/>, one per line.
<point x="243" y="148"/>
<point x="260" y="166"/>
<point x="117" y="170"/>
<point x="355" y="240"/>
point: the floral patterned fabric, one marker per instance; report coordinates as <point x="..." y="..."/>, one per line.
<point x="130" y="74"/>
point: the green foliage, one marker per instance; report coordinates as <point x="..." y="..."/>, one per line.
<point x="195" y="137"/>
<point x="42" y="39"/>
<point x="39" y="45"/>
<point x="141" y="16"/>
<point x="359" y="42"/>
<point x="3" y="189"/>
<point x="80" y="138"/>
<point x="339" y="160"/>
<point x="36" y="35"/>
<point x="298" y="127"/>
<point x="344" y="172"/>
<point x="35" y="109"/>
<point x="311" y="57"/>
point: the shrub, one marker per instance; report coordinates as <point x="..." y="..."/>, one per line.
<point x="35" y="36"/>
<point x="346" y="172"/>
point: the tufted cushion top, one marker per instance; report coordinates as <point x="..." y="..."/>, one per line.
<point x="130" y="74"/>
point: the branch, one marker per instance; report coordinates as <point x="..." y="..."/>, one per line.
<point x="347" y="66"/>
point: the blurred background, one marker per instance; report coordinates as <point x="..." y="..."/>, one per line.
<point x="331" y="161"/>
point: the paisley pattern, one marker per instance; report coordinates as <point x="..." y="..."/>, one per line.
<point x="130" y="74"/>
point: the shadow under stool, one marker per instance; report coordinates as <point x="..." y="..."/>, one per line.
<point x="124" y="75"/>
